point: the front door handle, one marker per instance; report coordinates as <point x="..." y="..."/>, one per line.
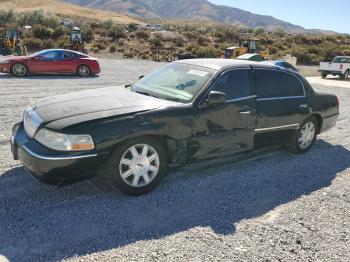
<point x="244" y="112"/>
<point x="304" y="106"/>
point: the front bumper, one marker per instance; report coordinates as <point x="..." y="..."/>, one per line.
<point x="50" y="166"/>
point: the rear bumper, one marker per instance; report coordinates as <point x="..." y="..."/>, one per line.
<point x="331" y="72"/>
<point x="50" y="166"/>
<point x="5" y="68"/>
<point x="329" y="122"/>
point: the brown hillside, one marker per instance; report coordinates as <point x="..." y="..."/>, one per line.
<point x="57" y="7"/>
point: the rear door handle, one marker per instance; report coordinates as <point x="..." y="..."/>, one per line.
<point x="244" y="112"/>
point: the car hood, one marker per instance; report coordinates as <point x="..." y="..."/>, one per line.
<point x="60" y="111"/>
<point x="16" y="58"/>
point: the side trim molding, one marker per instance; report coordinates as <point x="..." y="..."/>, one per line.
<point x="54" y="157"/>
<point x="277" y="127"/>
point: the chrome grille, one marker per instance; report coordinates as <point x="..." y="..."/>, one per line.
<point x="31" y="122"/>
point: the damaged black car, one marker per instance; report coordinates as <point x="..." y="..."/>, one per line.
<point x="186" y="111"/>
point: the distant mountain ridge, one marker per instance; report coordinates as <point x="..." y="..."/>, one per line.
<point x="191" y="9"/>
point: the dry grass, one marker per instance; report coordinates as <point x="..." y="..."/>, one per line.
<point x="57" y="7"/>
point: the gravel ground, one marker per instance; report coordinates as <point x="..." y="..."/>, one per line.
<point x="275" y="207"/>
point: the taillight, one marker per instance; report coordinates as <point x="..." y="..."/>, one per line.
<point x="341" y="67"/>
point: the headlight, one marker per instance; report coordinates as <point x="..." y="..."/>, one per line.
<point x="64" y="142"/>
<point x="31" y="121"/>
<point x="5" y="62"/>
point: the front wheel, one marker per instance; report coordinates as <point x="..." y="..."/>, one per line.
<point x="83" y="71"/>
<point x="324" y="75"/>
<point x="304" y="137"/>
<point x="137" y="166"/>
<point x="19" y="70"/>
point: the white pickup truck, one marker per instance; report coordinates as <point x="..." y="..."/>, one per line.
<point x="339" y="66"/>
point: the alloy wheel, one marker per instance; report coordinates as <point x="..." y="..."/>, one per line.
<point x="139" y="165"/>
<point x="84" y="71"/>
<point x="19" y="70"/>
<point x="306" y="135"/>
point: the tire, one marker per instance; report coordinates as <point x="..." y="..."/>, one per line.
<point x="19" y="70"/>
<point x="129" y="166"/>
<point x="83" y="71"/>
<point x="346" y="75"/>
<point x="305" y="137"/>
<point x="342" y="76"/>
<point x="324" y="75"/>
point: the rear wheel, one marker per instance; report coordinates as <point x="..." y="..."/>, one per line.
<point x="83" y="71"/>
<point x="324" y="75"/>
<point x="137" y="166"/>
<point x="19" y="70"/>
<point x="346" y="75"/>
<point x="304" y="137"/>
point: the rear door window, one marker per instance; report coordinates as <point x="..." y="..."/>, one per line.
<point x="277" y="84"/>
<point x="68" y="55"/>
<point x="235" y="84"/>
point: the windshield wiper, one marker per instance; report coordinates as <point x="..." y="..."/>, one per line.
<point x="145" y="93"/>
<point x="172" y="99"/>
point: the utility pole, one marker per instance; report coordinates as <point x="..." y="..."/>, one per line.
<point x="292" y="43"/>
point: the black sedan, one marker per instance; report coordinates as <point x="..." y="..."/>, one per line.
<point x="186" y="111"/>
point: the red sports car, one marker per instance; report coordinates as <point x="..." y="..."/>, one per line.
<point x="51" y="61"/>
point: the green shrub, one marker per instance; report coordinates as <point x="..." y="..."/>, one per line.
<point x="142" y="34"/>
<point x="156" y="41"/>
<point x="116" y="32"/>
<point x="128" y="54"/>
<point x="99" y="46"/>
<point x="59" y="32"/>
<point x="33" y="44"/>
<point x="7" y="17"/>
<point x="259" y="31"/>
<point x="203" y="41"/>
<point x="88" y="34"/>
<point x="132" y="27"/>
<point x="112" y="49"/>
<point x="42" y="32"/>
<point x="179" y="41"/>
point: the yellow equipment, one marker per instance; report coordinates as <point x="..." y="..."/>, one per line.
<point x="10" y="43"/>
<point x="76" y="42"/>
<point x="246" y="45"/>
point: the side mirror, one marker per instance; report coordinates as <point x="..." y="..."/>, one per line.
<point x="216" y="97"/>
<point x="140" y="77"/>
<point x="37" y="58"/>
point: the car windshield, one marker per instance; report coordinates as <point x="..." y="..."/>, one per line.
<point x="174" y="81"/>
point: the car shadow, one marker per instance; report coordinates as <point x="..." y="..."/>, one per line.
<point x="40" y="222"/>
<point x="47" y="76"/>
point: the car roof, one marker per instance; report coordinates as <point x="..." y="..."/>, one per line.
<point x="62" y="50"/>
<point x="218" y="64"/>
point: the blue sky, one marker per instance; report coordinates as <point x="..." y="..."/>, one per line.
<point x="320" y="14"/>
